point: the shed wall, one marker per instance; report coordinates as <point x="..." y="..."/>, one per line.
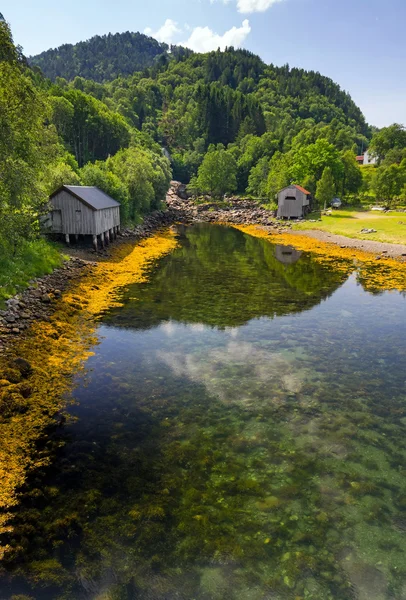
<point x="77" y="218"/>
<point x="288" y="207"/>
<point x="107" y="219"/>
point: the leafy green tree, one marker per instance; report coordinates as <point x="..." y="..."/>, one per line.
<point x="145" y="175"/>
<point x="351" y="180"/>
<point x="27" y="147"/>
<point x="258" y="178"/>
<point x="395" y="155"/>
<point x="217" y="174"/>
<point x="388" y="138"/>
<point x="60" y="174"/>
<point x="62" y="115"/>
<point x="279" y="174"/>
<point x="325" y="187"/>
<point x="89" y="128"/>
<point x="97" y="174"/>
<point x="310" y="161"/>
<point x="389" y="181"/>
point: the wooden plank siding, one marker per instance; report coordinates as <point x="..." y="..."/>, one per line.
<point x="77" y="218"/>
<point x="291" y="202"/>
<point x="107" y="219"/>
<point x="71" y="216"/>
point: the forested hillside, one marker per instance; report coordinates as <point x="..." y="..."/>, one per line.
<point x="265" y="117"/>
<point x="228" y="121"/>
<point x="101" y="58"/>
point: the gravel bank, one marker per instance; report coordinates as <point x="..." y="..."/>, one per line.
<point x="378" y="248"/>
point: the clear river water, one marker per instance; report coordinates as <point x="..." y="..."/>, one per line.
<point x="239" y="434"/>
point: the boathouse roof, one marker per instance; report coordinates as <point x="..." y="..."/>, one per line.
<point x="89" y="195"/>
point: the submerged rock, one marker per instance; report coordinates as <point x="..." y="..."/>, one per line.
<point x="12" y="375"/>
<point x="23" y="366"/>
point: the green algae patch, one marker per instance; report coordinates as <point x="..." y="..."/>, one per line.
<point x="375" y="276"/>
<point x="57" y="350"/>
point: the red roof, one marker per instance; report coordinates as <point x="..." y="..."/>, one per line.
<point x="299" y="187"/>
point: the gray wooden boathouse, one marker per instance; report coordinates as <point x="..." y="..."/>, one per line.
<point x="293" y="201"/>
<point x="84" y="210"/>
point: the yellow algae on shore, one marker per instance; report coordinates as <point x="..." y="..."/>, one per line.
<point x="375" y="276"/>
<point x="56" y="350"/>
<point x="100" y="291"/>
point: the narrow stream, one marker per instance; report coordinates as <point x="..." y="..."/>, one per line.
<point x="239" y="435"/>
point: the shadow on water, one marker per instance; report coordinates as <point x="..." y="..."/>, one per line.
<point x="235" y="438"/>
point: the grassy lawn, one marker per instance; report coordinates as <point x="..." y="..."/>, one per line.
<point x="32" y="259"/>
<point x="390" y="227"/>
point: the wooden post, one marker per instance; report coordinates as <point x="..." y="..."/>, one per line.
<point x="102" y="240"/>
<point x="76" y="237"/>
<point x="107" y="237"/>
<point x="67" y="240"/>
<point x="111" y="232"/>
<point x="95" y="242"/>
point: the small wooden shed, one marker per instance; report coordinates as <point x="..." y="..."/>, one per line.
<point x="84" y="210"/>
<point x="293" y="201"/>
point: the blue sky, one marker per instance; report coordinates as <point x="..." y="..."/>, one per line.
<point x="360" y="44"/>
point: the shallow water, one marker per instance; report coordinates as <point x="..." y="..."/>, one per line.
<point x="239" y="434"/>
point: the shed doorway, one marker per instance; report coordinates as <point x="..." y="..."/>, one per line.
<point x="57" y="221"/>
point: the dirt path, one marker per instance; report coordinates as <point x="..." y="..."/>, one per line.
<point x="378" y="248"/>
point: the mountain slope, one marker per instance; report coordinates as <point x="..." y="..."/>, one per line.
<point x="102" y="58"/>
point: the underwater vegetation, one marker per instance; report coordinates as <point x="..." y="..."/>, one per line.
<point x="223" y="441"/>
<point x="56" y="350"/>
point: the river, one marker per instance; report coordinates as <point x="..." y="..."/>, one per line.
<point x="238" y="434"/>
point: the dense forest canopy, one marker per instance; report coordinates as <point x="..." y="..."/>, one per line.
<point x="101" y="58"/>
<point x="228" y="121"/>
<point x="191" y="103"/>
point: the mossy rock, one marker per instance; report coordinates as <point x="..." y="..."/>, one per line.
<point x="22" y="365"/>
<point x="24" y="389"/>
<point x="12" y="375"/>
<point x="12" y="403"/>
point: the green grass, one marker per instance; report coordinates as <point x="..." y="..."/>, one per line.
<point x="33" y="259"/>
<point x="390" y="227"/>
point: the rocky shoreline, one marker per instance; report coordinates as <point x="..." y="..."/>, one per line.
<point x="235" y="211"/>
<point x="37" y="302"/>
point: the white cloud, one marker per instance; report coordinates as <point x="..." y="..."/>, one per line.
<point x="251" y="6"/>
<point x="166" y="33"/>
<point x="201" y="39"/>
<point x="204" y="39"/>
